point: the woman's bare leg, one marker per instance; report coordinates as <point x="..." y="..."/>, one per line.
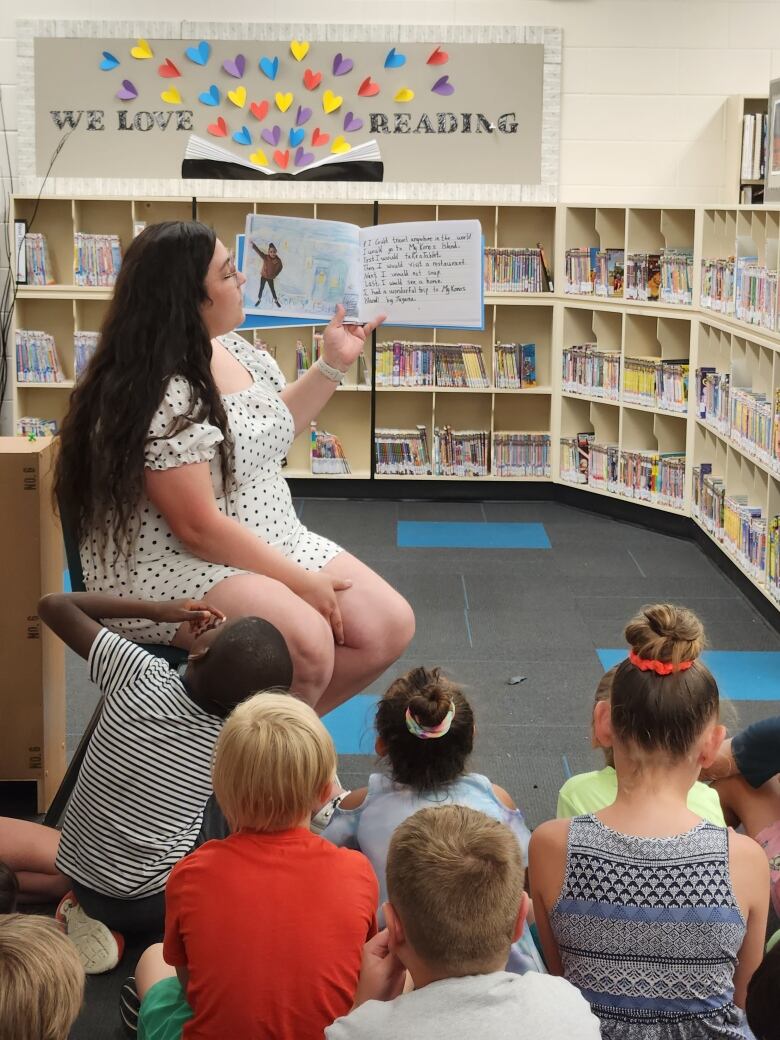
<point x="30" y="849"/>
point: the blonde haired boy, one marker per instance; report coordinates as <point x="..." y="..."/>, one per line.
<point x="456" y="904"/>
<point x="264" y="929"/>
<point x="41" y="979"/>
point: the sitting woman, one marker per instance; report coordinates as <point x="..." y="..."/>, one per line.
<point x="655" y="914"/>
<point x="170" y="470"/>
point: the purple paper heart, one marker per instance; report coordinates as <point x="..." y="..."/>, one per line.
<point x="235" y="66"/>
<point x="304" y="115"/>
<point x="272" y="136"/>
<point x="342" y="65"/>
<point x="352" y="122"/>
<point x="303" y="158"/>
<point x="127" y="91"/>
<point x="443" y="86"/>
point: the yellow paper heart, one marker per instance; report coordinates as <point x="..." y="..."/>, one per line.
<point x="238" y="96"/>
<point x="340" y="145"/>
<point x="171" y="96"/>
<point x="299" y="49"/>
<point x="404" y="94"/>
<point x="331" y="101"/>
<point x="142" y="50"/>
<point x="258" y="158"/>
<point x="283" y="101"/>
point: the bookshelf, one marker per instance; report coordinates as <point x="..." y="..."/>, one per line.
<point x="738" y="188"/>
<point x="636" y="436"/>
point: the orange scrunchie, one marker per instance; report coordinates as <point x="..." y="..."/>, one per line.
<point x="650" y="664"/>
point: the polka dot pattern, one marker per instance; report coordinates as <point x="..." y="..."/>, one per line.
<point x="161" y="566"/>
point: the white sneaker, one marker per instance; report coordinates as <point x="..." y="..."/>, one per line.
<point x="99" y="948"/>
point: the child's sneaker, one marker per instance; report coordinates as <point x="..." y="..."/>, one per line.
<point x="99" y="948"/>
<point x="322" y="817"/>
<point x="129" y="1006"/>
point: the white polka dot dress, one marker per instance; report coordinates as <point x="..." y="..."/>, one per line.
<point x="160" y="566"/>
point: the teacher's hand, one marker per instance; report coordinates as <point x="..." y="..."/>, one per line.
<point x="319" y="590"/>
<point x="341" y="343"/>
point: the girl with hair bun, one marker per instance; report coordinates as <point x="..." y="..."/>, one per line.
<point x="655" y="914"/>
<point x="425" y="735"/>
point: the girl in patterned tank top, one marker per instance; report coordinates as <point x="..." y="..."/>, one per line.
<point x="655" y="914"/>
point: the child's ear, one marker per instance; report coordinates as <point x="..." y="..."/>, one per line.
<point x="602" y="724"/>
<point x="380" y="747"/>
<point x="711" y="746"/>
<point x="522" y="913"/>
<point x="395" y="928"/>
<point x="198" y="655"/>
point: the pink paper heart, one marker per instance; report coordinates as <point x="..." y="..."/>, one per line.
<point x="272" y="136"/>
<point x="352" y="122"/>
<point x="303" y="158"/>
<point x="443" y="86"/>
<point x="342" y="65"/>
<point x="304" y="115"/>
<point x="235" y="66"/>
<point x="127" y="91"/>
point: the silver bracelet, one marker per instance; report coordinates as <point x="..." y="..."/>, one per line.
<point x="334" y="374"/>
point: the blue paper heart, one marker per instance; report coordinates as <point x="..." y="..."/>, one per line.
<point x="109" y="61"/>
<point x="269" y="67"/>
<point x="210" y="96"/>
<point x="297" y="134"/>
<point x="242" y="136"/>
<point x="200" y="54"/>
<point x="394" y="60"/>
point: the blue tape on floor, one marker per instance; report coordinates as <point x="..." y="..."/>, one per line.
<point x="741" y="675"/>
<point x="66" y="586"/>
<point x="436" y="534"/>
<point x="352" y="725"/>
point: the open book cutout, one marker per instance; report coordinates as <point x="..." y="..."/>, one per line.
<point x="204" y="160"/>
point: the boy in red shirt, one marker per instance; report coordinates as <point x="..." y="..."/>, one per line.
<point x="264" y="929"/>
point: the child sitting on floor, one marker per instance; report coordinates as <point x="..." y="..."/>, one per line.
<point x="425" y="731"/>
<point x="142" y="798"/>
<point x="266" y="928"/>
<point x="655" y="914"/>
<point x="455" y="885"/>
<point x="41" y="979"/>
<point x="589" y="792"/>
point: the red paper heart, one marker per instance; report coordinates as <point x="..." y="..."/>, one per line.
<point x="318" y="138"/>
<point x="438" y="57"/>
<point x="168" y="70"/>
<point x="282" y="158"/>
<point x="368" y="88"/>
<point x="218" y="129"/>
<point x="259" y="111"/>
<point x="311" y="80"/>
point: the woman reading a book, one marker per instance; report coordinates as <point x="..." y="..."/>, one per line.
<point x="170" y="470"/>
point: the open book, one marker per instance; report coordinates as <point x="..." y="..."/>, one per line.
<point x="205" y="160"/>
<point x="426" y="274"/>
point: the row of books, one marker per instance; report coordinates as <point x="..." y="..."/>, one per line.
<point x="754" y="141"/>
<point x="730" y="519"/>
<point x="461" y="453"/>
<point x="517" y="270"/>
<point x="96" y="258"/>
<point x="402" y="364"/>
<point x="650" y="476"/>
<point x="755" y="293"/>
<point x="712" y="395"/>
<point x="33" y="426"/>
<point x="37" y="360"/>
<point x="773" y="558"/>
<point x="586" y="368"/>
<point x="38" y="266"/>
<point x="717" y="285"/>
<point x="307" y="353"/>
<point x="84" y="346"/>
<point x="666" y="275"/>
<point x="327" y="454"/>
<point x="750" y="418"/>
<point x="657" y="383"/>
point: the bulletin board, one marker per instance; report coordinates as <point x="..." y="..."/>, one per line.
<point x="454" y="111"/>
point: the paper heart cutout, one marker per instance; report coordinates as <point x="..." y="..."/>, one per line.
<point x="296" y="136"/>
<point x="168" y="70"/>
<point x="394" y="59"/>
<point x="368" y="88"/>
<point x="404" y="94"/>
<point x="331" y="101"/>
<point x="438" y="57"/>
<point x="443" y="86"/>
<point x="282" y="158"/>
<point x="303" y="116"/>
<point x="235" y="67"/>
<point x="272" y="136"/>
<point x="109" y="61"/>
<point x="269" y="67"/>
<point x="218" y="129"/>
<point x="210" y="96"/>
<point x="352" y="122"/>
<point x="311" y="80"/>
<point x="259" y="109"/>
<point x="171" y="96"/>
<point x="238" y="96"/>
<point x="299" y="49"/>
<point x="242" y="136"/>
<point x="127" y="91"/>
<point x="258" y="158"/>
<point x="318" y="138"/>
<point x="283" y="101"/>
<point x="340" y="145"/>
<point x="303" y="158"/>
<point x="200" y="54"/>
<point x="142" y="51"/>
<point x="342" y="65"/>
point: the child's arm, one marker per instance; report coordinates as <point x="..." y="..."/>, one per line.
<point x="503" y="796"/>
<point x="258" y="250"/>
<point x="75" y="616"/>
<point x="546" y="869"/>
<point x="750" y="880"/>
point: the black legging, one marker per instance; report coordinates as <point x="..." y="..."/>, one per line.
<point x="270" y="283"/>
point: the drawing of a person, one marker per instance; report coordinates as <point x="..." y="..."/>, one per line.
<point x="272" y="266"/>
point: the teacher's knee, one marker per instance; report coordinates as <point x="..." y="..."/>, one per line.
<point x="313" y="654"/>
<point x="397" y="628"/>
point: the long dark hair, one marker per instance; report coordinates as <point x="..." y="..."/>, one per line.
<point x="153" y="331"/>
